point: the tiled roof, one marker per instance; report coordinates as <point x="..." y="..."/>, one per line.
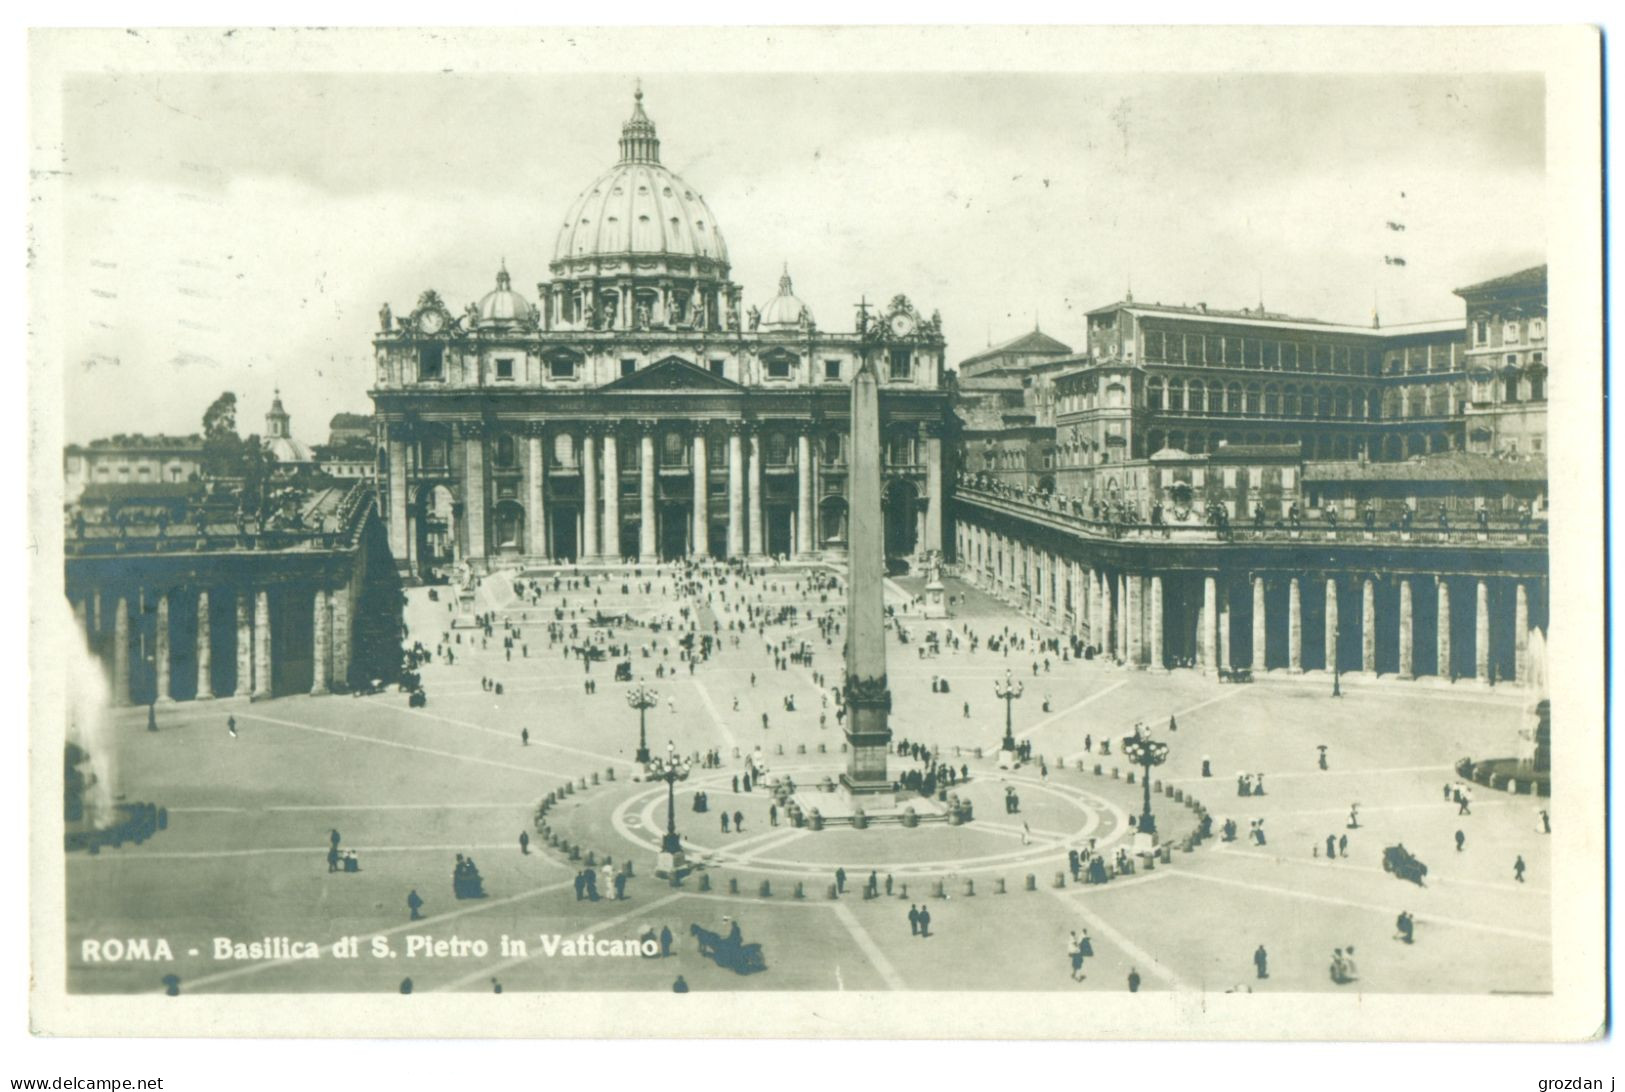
<point x="1034" y="342"/>
<point x="1533" y="279"/>
<point x="1452" y="466"/>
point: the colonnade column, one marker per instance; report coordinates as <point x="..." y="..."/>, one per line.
<point x="736" y="493"/>
<point x="341" y="636"/>
<point x="321" y="679"/>
<point x="1294" y="626"/>
<point x="1125" y="613"/>
<point x="1156" y="623"/>
<point x="647" y="550"/>
<point x="1482" y="630"/>
<point x="702" y="496"/>
<point x="756" y="535"/>
<point x="589" y="495"/>
<point x="1447" y="666"/>
<point x="535" y="497"/>
<point x="1368" y="626"/>
<point x="610" y="545"/>
<point x="804" y="494"/>
<point x="121" y="650"/>
<point x="205" y="650"/>
<point x="1210" y="623"/>
<point x="474" y="492"/>
<point x="1330" y="635"/>
<point x="1407" y="655"/>
<point x="262" y="644"/>
<point x="160" y="648"/>
<point x="1520" y="631"/>
<point x="1260" y="627"/>
<point x="245" y="646"/>
<point x="1227" y="647"/>
<point x="396" y="447"/>
<point x="933" y="488"/>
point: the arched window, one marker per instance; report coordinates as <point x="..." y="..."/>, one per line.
<point x="1341" y="404"/>
<point x="564" y="449"/>
<point x="504" y="455"/>
<point x="1198" y="396"/>
<point x="1252" y="403"/>
<point x="1232" y="398"/>
<point x="1176" y="397"/>
<point x="1291" y="405"/>
<point x="1272" y="400"/>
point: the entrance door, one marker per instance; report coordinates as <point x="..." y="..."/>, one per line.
<point x="779" y="541"/>
<point x="674" y="531"/>
<point x="561" y="527"/>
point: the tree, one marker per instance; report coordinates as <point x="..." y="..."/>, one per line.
<point x="222" y="447"/>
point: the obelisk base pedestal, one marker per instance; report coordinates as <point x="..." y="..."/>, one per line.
<point x="1144" y="842"/>
<point x="670" y="866"/>
<point x="1008" y="760"/>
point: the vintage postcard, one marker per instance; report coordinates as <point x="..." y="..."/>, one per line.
<point x="904" y="532"/>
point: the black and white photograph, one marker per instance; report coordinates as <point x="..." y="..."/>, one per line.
<point x="1095" y="534"/>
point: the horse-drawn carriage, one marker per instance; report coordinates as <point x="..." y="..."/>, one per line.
<point x="729" y="952"/>
<point x="1403" y="863"/>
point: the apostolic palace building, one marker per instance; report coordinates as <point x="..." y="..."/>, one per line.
<point x="641" y="407"/>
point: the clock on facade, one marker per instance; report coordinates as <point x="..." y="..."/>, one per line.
<point x="431" y="322"/>
<point x="902" y="324"/>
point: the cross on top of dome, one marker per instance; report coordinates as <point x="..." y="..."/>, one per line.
<point x="639" y="144"/>
<point x="502" y="276"/>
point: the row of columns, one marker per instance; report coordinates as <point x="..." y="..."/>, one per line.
<point x="330" y="645"/>
<point x="1123" y="613"/>
<point x="601" y="495"/>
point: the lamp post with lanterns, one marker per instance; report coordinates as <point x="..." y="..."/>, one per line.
<point x="671" y="770"/>
<point x="1146" y="753"/>
<point x="1008" y="690"/>
<point x="643" y="699"/>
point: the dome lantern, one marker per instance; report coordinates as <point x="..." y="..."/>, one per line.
<point x="639" y="144"/>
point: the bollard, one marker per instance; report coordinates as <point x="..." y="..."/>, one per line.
<point x="957" y="751"/>
<point x="1167" y="854"/>
<point x="778" y="749"/>
<point x="1032" y="882"/>
<point x="595" y="777"/>
<point x="801" y="748"/>
<point x="834" y="893"/>
<point x="592" y="860"/>
<point x="705" y="881"/>
<point x="1150" y="861"/>
<point x="998" y="886"/>
<point x="970" y="888"/>
<point x="938" y="891"/>
<point x="1060" y="879"/>
<point x="1097" y="769"/>
<point x="1117" y="774"/>
<point x="575" y="853"/>
<point x="801" y="891"/>
<point x="1080" y="766"/>
<point x="569" y="790"/>
<point x="1179" y="796"/>
<point x="1156" y="786"/>
<point x="902" y="890"/>
<point x="626" y="869"/>
<point x="843" y="748"/>
<point x="609" y="774"/>
<point x="583" y="784"/>
<point x="822" y="749"/>
<point x="736" y="752"/>
<point x="1130" y="776"/>
<point x="733" y="885"/>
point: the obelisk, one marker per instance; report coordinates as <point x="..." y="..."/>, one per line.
<point x="868" y="702"/>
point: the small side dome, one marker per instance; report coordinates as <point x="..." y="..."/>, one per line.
<point x="504" y="306"/>
<point x="784" y="311"/>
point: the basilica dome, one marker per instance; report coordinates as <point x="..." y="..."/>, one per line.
<point x="784" y="311"/>
<point x="504" y="306"/>
<point x="640" y="207"/>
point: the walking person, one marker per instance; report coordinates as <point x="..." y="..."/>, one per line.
<point x="840" y="881"/>
<point x="925" y="921"/>
<point x="1261" y="962"/>
<point x="913" y="920"/>
<point x="231" y="727"/>
<point x="1461" y="840"/>
<point x="1133" y="980"/>
<point x="415" y="905"/>
<point x="1518" y="869"/>
<point x="524" y="842"/>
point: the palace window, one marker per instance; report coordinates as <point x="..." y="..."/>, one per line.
<point x="564" y="450"/>
<point x="1509" y="333"/>
<point x="1510" y="389"/>
<point x="628" y="366"/>
<point x="505" y="368"/>
<point x="778" y="367"/>
<point x="778" y="449"/>
<point x="1481" y="332"/>
<point x="832" y="369"/>
<point x="902" y="363"/>
<point x="561" y="368"/>
<point x="431" y="363"/>
<point x="717" y="364"/>
<point x="673" y="451"/>
<point x="1537" y="329"/>
<point x="504" y="454"/>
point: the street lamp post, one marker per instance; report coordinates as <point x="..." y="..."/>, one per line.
<point x="1009" y="690"/>
<point x="642" y="698"/>
<point x="671" y="770"/>
<point x="1146" y="753"/>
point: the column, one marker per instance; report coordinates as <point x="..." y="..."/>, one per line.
<point x="474" y="492"/>
<point x="121" y="651"/>
<point x="756" y="531"/>
<point x="648" y="552"/>
<point x="1101" y="626"/>
<point x="245" y="646"/>
<point x="1156" y="623"/>
<point x="1122" y="618"/>
<point x="262" y="644"/>
<point x="933" y="489"/>
<point x="589" y="496"/>
<point x="205" y="649"/>
<point x="341" y="636"/>
<point x="1260" y="627"/>
<point x="321" y="644"/>
<point x="1482" y="631"/>
<point x="1520" y="631"/>
<point x="804" y="495"/>
<point x="1330" y="636"/>
<point x="1294" y="626"/>
<point x="1407" y="664"/>
<point x="535" y="498"/>
<point x="1209" y="637"/>
<point x="160" y="648"/>
<point x="1227" y="647"/>
<point x="1447" y="667"/>
<point x="1368" y="626"/>
<point x="702" y="497"/>
<point x="397" y="497"/>
<point x="736" y="492"/>
<point x="610" y="544"/>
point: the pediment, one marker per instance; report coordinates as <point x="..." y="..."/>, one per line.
<point x="672" y="374"/>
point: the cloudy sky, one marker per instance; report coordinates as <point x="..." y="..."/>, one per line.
<point x="239" y="232"/>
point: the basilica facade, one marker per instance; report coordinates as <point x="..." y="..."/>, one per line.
<point x="640" y="408"/>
